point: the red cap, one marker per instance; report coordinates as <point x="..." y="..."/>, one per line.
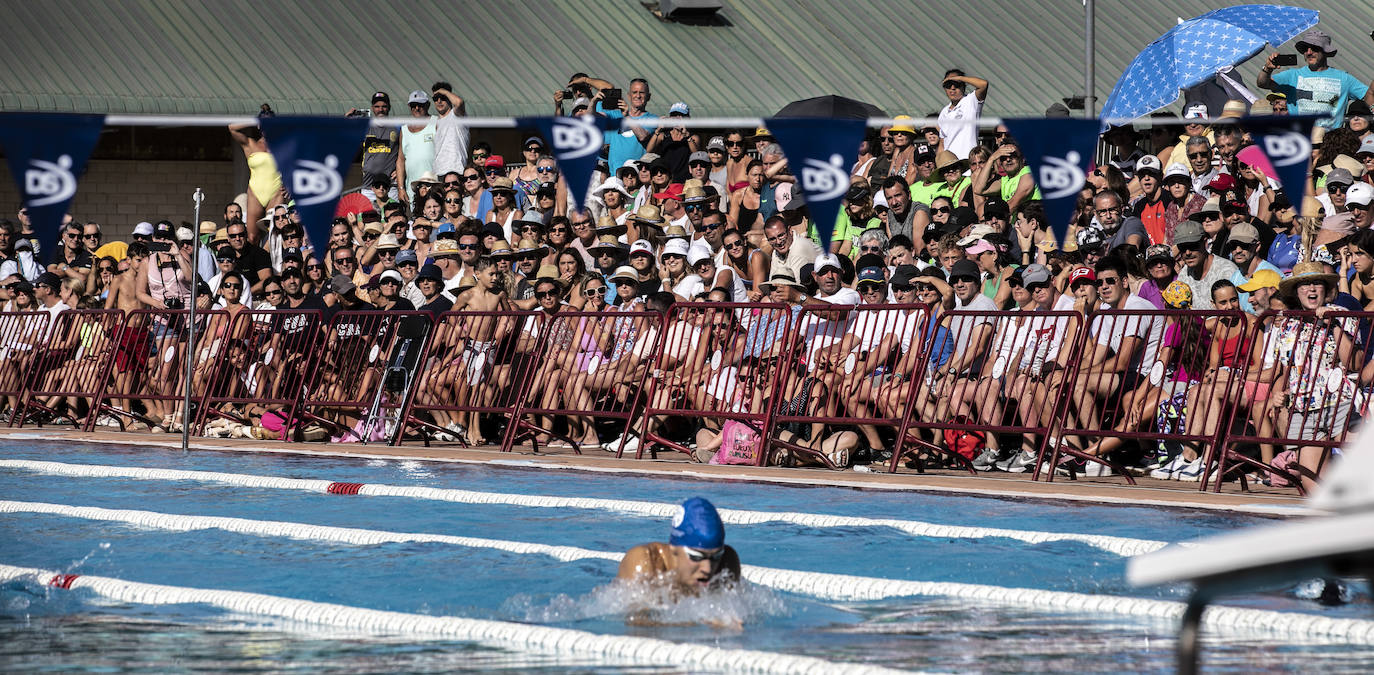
<point x="673" y="191"/>
<point x="1081" y="274"/>
<point x="495" y="161"/>
<point x="1222" y="183"/>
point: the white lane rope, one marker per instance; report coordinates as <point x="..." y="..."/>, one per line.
<point x="1123" y="546"/>
<point x="504" y="634"/>
<point x="836" y="587"/>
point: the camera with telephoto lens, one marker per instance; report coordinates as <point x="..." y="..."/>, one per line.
<point x="174" y="303"/>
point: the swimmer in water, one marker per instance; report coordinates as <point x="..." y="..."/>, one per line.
<point x="694" y="557"/>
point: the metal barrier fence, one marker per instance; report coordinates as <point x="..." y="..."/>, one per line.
<point x="1271" y="395"/>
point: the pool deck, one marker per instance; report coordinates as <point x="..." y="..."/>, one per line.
<point x="1111" y="490"/>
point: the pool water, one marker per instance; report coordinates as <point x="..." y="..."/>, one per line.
<point x="48" y="629"/>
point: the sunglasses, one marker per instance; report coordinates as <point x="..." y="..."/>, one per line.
<point x="316" y="266"/>
<point x="224" y="260"/>
<point x="452" y="201"/>
<point x="1336" y="189"/>
<point x="942" y="209"/>
<point x="922" y="288"/>
<point x="593" y="292"/>
<point x="237" y="235"/>
<point x="231" y="287"/>
<point x="696" y="207"/>
<point x="492" y="172"/>
<point x="734" y="144"/>
<point x="871" y="287"/>
<point x="387" y="253"/>
<point x="545" y="294"/>
<point x="710" y="227"/>
<point x="470" y="176"/>
<point x="546" y="169"/>
<point x="738" y="243"/>
<point x="658" y="170"/>
<point x="1199" y="155"/>
<point x="91" y="236"/>
<point x="272" y="291"/>
<point x="344" y="261"/>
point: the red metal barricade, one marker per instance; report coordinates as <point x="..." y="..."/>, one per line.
<point x="989" y="378"/>
<point x="69" y="372"/>
<point x="853" y="366"/>
<point x="717" y="362"/>
<point x="472" y="375"/>
<point x="365" y="373"/>
<point x="1145" y="376"/>
<point x="23" y="336"/>
<point x="147" y="375"/>
<point x="263" y="364"/>
<point x="591" y="369"/>
<point x="1308" y="381"/>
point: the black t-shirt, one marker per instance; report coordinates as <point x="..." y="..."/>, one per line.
<point x="437" y="306"/>
<point x="82" y="258"/>
<point x="291" y="327"/>
<point x="251" y="259"/>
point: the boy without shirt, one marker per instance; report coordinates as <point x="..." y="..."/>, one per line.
<point x="480" y="335"/>
<point x="132" y="350"/>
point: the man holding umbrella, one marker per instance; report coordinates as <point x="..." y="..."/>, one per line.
<point x="1317" y="88"/>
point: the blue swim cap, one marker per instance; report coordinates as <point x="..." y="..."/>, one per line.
<point x="697" y="525"/>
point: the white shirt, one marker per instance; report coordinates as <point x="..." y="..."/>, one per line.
<point x="450" y="144"/>
<point x="1111" y="330"/>
<point x="961" y="137"/>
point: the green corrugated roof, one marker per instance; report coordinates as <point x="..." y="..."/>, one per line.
<point x="506" y="57"/>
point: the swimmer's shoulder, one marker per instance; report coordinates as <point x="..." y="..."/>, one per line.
<point x="730" y="563"/>
<point x="644" y="560"/>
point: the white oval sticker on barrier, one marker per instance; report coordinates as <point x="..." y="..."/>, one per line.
<point x="1334" y="379"/>
<point x="168" y="354"/>
<point x="850" y="363"/>
<point x="1157" y="373"/>
<point x="372" y="355"/>
<point x="267" y="357"/>
<point x="999" y="367"/>
<point x="716" y="359"/>
<point x="593" y="363"/>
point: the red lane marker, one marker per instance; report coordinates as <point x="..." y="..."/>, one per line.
<point x="344" y="488"/>
<point x="63" y="580"/>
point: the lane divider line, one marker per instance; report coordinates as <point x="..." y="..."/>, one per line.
<point x="1123" y="546"/>
<point x="504" y="634"/>
<point x="838" y="587"/>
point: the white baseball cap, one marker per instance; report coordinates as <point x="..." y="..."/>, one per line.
<point x="675" y="247"/>
<point x="1148" y="163"/>
<point x="641" y="246"/>
<point x="144" y="229"/>
<point x="418" y="96"/>
<point x="825" y="260"/>
<point x="1176" y="169"/>
<point x="1359" y="193"/>
<point x="697" y="253"/>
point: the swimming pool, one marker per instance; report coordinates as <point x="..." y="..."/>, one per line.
<point x="535" y="549"/>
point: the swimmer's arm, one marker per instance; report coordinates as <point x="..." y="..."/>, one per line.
<point x="730" y="565"/>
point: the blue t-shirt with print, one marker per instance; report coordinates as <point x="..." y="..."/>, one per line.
<point x="623" y="145"/>
<point x="1319" y="92"/>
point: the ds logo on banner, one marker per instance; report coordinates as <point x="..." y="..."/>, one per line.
<point x="1061" y="176"/>
<point x="575" y="137"/>
<point x="1287" y="148"/>
<point x="49" y="182"/>
<point x="824" y="180"/>
<point x="316" y="182"/>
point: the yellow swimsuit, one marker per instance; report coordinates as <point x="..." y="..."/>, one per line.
<point x="263" y="178"/>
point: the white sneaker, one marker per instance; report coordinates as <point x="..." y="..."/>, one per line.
<point x="1061" y="470"/>
<point x="1191" y="471"/>
<point x="631" y="443"/>
<point x="1096" y="470"/>
<point x="1169" y="471"/>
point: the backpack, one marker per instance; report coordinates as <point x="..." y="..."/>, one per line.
<point x="965" y="442"/>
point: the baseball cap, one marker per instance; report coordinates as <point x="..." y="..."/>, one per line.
<point x="392" y="275"/>
<point x="1212" y="205"/>
<point x="291" y="253"/>
<point x="1158" y="252"/>
<point x="1222" y="183"/>
<point x="1265" y="278"/>
<point x="979" y="247"/>
<point x="1366" y="147"/>
<point x="789" y="197"/>
<point x="185" y="234"/>
<point x="1195" y="111"/>
<point x="1340" y="177"/>
<point x="1189" y="232"/>
<point x="924" y="152"/>
<point x="699" y="156"/>
<point x="964" y="268"/>
<point x="418" y="96"/>
<point x="1082" y="274"/>
<point x="904" y="274"/>
<point x="143" y="229"/>
<point x="642" y="246"/>
<point x="1244" y="233"/>
<point x="407" y="255"/>
<point x="52" y="281"/>
<point x="381" y="96"/>
<point x="716" y="143"/>
<point x="532" y="140"/>
<point x="675" y="247"/>
<point x="697" y="253"/>
<point x="649" y="158"/>
<point x="495" y="162"/>
<point x="1177" y="170"/>
<point x="826" y="260"/>
<point x="680" y="108"/>
<point x="1359" y="193"/>
<point x="1149" y="163"/>
<point x="1035" y="274"/>
<point x="871" y="274"/>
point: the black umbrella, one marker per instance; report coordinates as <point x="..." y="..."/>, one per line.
<point x="831" y="106"/>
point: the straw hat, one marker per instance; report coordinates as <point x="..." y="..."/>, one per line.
<point x="444" y="248"/>
<point x="548" y="273"/>
<point x="528" y="246"/>
<point x="608" y="241"/>
<point x="607" y="223"/>
<point x="221" y="236"/>
<point x="387" y="241"/>
<point x="694" y="194"/>
<point x="648" y="214"/>
<point x="502" y="184"/>
<point x="500" y="249"/>
<point x="676" y="232"/>
<point x="207" y="227"/>
<point x="426" y="178"/>
<point x="946" y="159"/>
<point x="1306" y="273"/>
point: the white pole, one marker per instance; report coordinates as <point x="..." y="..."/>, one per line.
<point x="191" y="325"/>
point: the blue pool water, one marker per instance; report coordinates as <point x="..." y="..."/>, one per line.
<point x="44" y="629"/>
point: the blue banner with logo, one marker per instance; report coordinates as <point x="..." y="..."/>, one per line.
<point x="575" y="143"/>
<point x="47" y="153"/>
<point x="820" y="152"/>
<point x="1058" y="152"/>
<point x="1287" y="141"/>
<point x="312" y="154"/>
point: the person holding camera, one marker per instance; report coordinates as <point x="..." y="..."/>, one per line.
<point x="164" y="283"/>
<point x="628" y="143"/>
<point x="1317" y="88"/>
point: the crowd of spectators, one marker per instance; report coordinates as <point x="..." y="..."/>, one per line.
<point x="1183" y="214"/>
